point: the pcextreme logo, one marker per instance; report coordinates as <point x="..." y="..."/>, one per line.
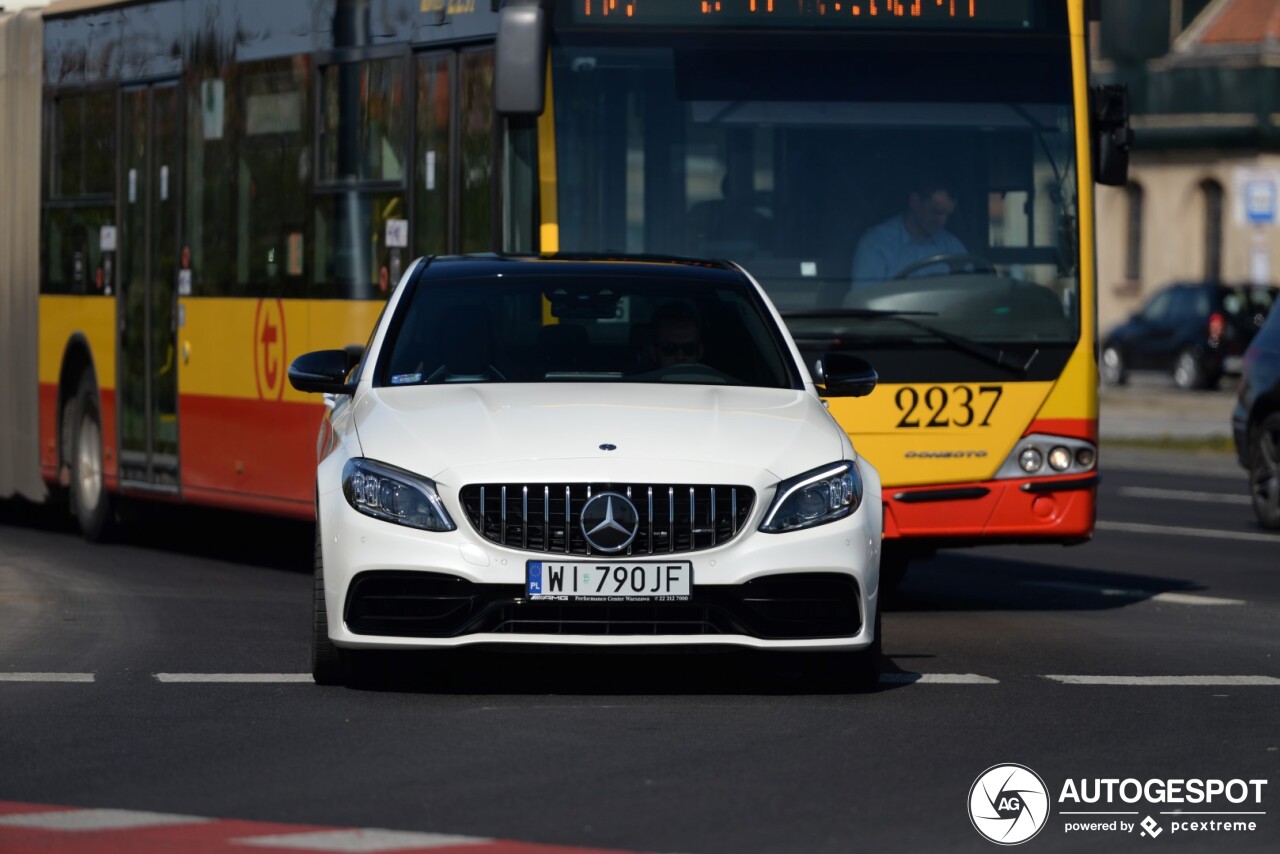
<point x="269" y="349"/>
<point x="1008" y="804"/>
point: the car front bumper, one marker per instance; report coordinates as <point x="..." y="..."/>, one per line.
<point x="392" y="587"/>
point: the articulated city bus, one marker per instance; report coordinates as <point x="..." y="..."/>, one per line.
<point x="225" y="185"/>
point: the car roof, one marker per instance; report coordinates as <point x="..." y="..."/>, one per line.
<point x="597" y="266"/>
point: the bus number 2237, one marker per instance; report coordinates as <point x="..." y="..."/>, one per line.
<point x="958" y="406"/>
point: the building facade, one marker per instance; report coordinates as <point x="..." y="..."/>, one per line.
<point x="1201" y="202"/>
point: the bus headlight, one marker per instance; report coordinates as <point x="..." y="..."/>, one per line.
<point x="814" y="498"/>
<point x="394" y="495"/>
<point x="1031" y="460"/>
<point x="1040" y="455"/>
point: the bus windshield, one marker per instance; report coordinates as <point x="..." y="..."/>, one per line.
<point x="859" y="180"/>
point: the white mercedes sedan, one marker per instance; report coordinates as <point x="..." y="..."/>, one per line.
<point x="595" y="452"/>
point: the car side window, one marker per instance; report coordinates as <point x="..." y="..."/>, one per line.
<point x="1197" y="304"/>
<point x="1159" y="308"/>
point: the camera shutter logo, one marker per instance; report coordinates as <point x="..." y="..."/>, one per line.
<point x="1008" y="804"/>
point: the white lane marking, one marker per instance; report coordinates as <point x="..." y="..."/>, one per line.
<point x="936" y="679"/>
<point x="1185" y="495"/>
<point x="360" y="840"/>
<point x="1171" y="598"/>
<point x="1194" y="599"/>
<point x="46" y="677"/>
<point x="1167" y="680"/>
<point x="234" y="677"/>
<point x="97" y="819"/>
<point x="1168" y="531"/>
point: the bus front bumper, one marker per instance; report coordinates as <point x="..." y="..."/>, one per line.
<point x="1024" y="510"/>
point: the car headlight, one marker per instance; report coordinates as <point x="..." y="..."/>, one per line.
<point x="814" y="498"/>
<point x="394" y="495"/>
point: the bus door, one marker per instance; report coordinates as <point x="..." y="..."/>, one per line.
<point x="147" y="301"/>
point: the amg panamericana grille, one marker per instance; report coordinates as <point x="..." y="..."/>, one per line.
<point x="545" y="517"/>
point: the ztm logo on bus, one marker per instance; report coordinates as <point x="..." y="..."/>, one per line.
<point x="269" y="349"/>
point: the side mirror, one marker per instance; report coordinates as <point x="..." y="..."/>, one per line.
<point x="520" y="63"/>
<point x="322" y="371"/>
<point x="1112" y="137"/>
<point x="845" y="375"/>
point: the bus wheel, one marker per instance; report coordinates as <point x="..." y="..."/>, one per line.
<point x="89" y="499"/>
<point x="330" y="664"/>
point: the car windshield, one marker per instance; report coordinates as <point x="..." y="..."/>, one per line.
<point x="584" y="328"/>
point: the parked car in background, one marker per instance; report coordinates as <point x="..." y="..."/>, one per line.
<point x="591" y="452"/>
<point x="1255" y="421"/>
<point x="1197" y="332"/>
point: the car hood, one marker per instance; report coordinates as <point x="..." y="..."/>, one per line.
<point x="562" y="431"/>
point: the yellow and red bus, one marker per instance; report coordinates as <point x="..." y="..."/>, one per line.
<point x="811" y="141"/>
<point x="222" y="186"/>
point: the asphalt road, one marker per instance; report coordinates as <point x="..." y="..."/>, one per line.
<point x="1042" y="656"/>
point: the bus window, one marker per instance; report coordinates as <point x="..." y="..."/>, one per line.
<point x="477" y="140"/>
<point x="79" y="190"/>
<point x="248" y="169"/>
<point x="433" y="155"/>
<point x="361" y="236"/>
<point x="362" y="135"/>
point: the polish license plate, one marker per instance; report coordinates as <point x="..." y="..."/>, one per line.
<point x="609" y="581"/>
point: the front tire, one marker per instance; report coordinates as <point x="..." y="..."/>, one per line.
<point x="1264" y="470"/>
<point x="1188" y="373"/>
<point x="853" y="672"/>
<point x="330" y="664"/>
<point x="1112" y="366"/>
<point x="89" y="499"/>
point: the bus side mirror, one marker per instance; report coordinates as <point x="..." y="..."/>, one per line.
<point x="520" y="66"/>
<point x="845" y="375"/>
<point x="1112" y="137"/>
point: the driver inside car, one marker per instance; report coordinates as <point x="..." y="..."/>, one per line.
<point x="677" y="336"/>
<point x="917" y="234"/>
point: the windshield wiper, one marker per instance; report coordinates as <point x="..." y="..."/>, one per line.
<point x="1000" y="357"/>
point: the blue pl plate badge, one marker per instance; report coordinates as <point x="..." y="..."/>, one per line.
<point x="535" y="577"/>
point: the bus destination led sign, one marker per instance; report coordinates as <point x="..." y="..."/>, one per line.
<point x="834" y="14"/>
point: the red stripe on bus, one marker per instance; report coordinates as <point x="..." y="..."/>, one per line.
<point x="262" y="450"/>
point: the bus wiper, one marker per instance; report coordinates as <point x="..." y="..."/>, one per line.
<point x="1002" y="358"/>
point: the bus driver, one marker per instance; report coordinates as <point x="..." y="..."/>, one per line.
<point x="904" y="239"/>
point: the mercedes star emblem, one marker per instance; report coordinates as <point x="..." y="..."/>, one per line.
<point x="609" y="522"/>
